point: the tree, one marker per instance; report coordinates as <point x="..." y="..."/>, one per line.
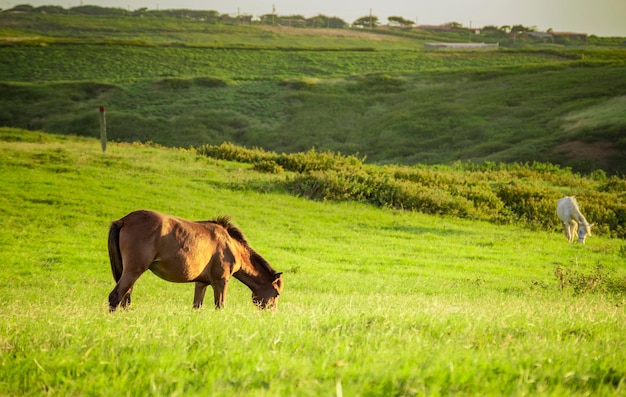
<point x="454" y="25"/>
<point x="399" y="21"/>
<point x="519" y="29"/>
<point x="369" y="21"/>
<point x="492" y="31"/>
<point x="322" y="21"/>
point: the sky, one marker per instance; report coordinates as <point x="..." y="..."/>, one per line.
<point x="599" y="17"/>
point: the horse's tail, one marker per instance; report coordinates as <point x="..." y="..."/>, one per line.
<point x="115" y="256"/>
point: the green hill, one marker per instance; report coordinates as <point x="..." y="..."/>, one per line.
<point x="373" y="93"/>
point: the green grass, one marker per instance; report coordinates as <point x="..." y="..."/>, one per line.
<point x="180" y="31"/>
<point x="430" y="118"/>
<point x="376" y="301"/>
<point x="127" y="63"/>
<point x="604" y="115"/>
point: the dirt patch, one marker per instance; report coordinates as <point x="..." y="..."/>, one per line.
<point x="601" y="151"/>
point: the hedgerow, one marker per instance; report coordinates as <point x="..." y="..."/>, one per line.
<point x="501" y="193"/>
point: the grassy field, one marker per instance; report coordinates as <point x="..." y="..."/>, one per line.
<point x="462" y="112"/>
<point x="376" y="301"/>
<point x="377" y="93"/>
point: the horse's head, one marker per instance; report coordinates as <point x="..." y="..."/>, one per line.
<point x="267" y="298"/>
<point x="583" y="232"/>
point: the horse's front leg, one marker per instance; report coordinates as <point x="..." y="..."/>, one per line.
<point x="198" y="295"/>
<point x="573" y="231"/>
<point x="219" y="292"/>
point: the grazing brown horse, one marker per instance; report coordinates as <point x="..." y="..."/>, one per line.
<point x="178" y="250"/>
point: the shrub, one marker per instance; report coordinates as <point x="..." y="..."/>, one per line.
<point x="532" y="205"/>
<point x="598" y="280"/>
<point x="316" y="161"/>
<point x="231" y="152"/>
<point x="500" y="193"/>
<point x="268" y="166"/>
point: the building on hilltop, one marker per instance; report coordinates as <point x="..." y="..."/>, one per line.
<point x="461" y="46"/>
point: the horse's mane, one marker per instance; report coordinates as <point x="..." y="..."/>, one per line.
<point x="233" y="231"/>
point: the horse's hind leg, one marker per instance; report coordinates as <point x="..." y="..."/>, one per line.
<point x="198" y="295"/>
<point x="122" y="291"/>
<point x="566" y="230"/>
<point x="125" y="302"/>
<point x="569" y="231"/>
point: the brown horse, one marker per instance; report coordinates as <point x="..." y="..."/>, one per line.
<point x="178" y="250"/>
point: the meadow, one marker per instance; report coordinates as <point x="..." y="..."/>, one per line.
<point x="377" y="301"/>
<point x="449" y="277"/>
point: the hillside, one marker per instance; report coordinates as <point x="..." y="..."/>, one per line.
<point x="373" y="93"/>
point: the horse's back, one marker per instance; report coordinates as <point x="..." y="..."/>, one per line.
<point x="146" y="225"/>
<point x="144" y="219"/>
<point x="174" y="248"/>
<point x="565" y="207"/>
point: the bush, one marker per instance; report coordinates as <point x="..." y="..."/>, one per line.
<point x="231" y="152"/>
<point x="530" y="204"/>
<point x="268" y="166"/>
<point x="598" y="280"/>
<point x="296" y="162"/>
<point x="500" y="193"/>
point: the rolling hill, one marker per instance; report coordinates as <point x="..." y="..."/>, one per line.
<point x="373" y="93"/>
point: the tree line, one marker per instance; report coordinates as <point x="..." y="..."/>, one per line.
<point x="211" y="16"/>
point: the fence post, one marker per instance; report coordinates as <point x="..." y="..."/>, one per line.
<point x="103" y="129"/>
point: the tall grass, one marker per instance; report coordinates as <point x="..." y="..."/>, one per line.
<point x="376" y="301"/>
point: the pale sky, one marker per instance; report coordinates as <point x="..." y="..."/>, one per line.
<point x="599" y="17"/>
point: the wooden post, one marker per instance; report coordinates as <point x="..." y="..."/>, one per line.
<point x="103" y="130"/>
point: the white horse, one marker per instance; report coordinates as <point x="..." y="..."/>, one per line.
<point x="569" y="213"/>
